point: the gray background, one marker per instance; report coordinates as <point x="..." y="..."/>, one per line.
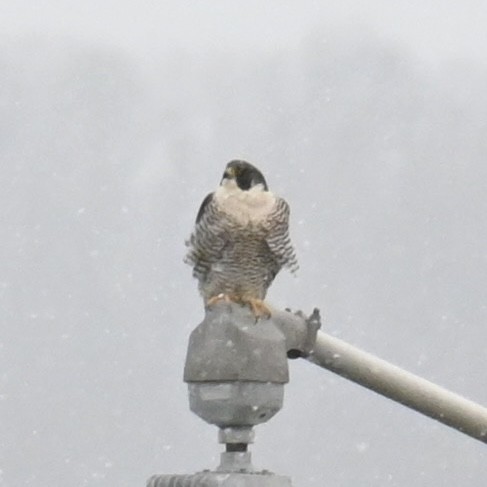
<point x="116" y="119"/>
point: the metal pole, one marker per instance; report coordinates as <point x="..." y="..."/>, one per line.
<point x="401" y="386"/>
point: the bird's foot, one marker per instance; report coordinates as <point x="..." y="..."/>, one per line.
<point x="216" y="299"/>
<point x="258" y="307"/>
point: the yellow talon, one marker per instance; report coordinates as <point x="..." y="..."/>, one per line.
<point x="216" y="299"/>
<point x="259" y="308"/>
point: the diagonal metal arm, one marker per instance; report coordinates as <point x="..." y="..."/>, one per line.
<point x="304" y="339"/>
<point x="401" y="386"/>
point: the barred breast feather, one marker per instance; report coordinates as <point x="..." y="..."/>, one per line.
<point x="240" y="242"/>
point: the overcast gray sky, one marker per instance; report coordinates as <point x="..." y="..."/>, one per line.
<point x="431" y="28"/>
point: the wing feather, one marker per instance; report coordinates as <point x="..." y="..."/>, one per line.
<point x="206" y="243"/>
<point x="278" y="240"/>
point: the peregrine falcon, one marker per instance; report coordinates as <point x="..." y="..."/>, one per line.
<point x="240" y="240"/>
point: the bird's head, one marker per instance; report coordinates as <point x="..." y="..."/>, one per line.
<point x="244" y="174"/>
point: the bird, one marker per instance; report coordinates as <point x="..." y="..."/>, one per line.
<point x="240" y="240"/>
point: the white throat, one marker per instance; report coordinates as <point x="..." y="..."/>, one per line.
<point x="253" y="205"/>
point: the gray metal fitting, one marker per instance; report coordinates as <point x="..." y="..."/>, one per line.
<point x="236" y="435"/>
